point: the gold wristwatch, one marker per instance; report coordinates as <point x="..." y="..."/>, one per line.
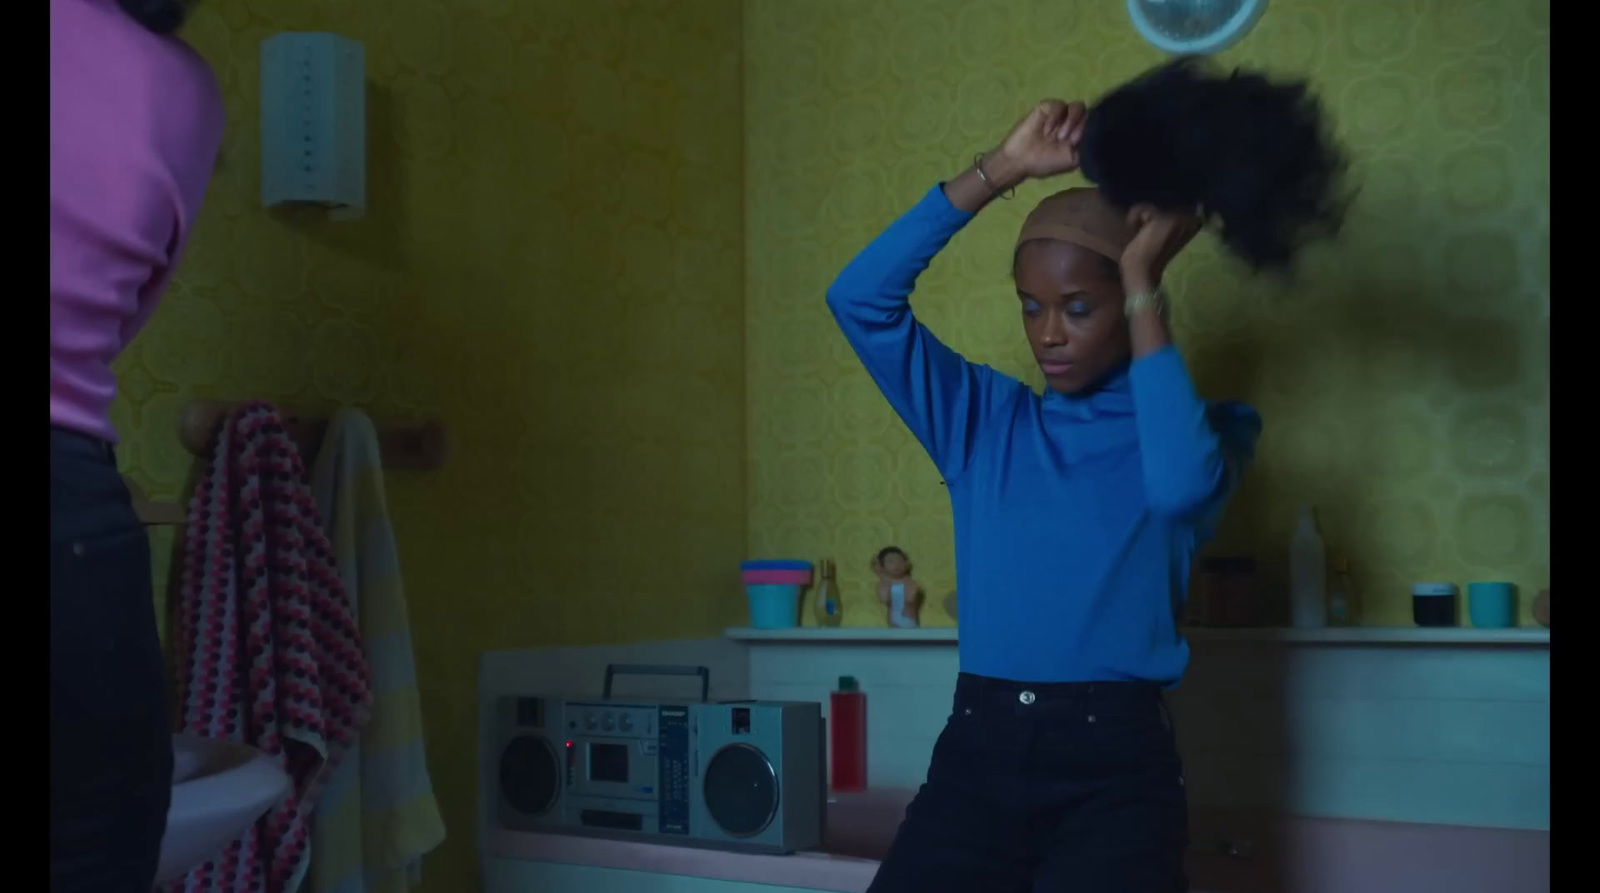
<point x="1155" y="299"/>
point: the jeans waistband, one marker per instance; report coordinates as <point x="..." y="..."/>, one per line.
<point x="976" y="689"/>
<point x="66" y="443"/>
<point x="88" y="498"/>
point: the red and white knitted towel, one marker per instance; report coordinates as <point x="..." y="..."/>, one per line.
<point x="268" y="647"/>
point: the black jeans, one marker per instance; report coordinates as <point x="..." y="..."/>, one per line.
<point x="1038" y="788"/>
<point x="110" y="741"/>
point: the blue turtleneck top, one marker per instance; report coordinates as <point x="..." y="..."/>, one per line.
<point x="1077" y="518"/>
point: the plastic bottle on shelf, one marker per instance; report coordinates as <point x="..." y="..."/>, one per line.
<point x="1308" y="574"/>
<point x="1341" y="595"/>
<point x="847" y="733"/>
<point x="827" y="605"/>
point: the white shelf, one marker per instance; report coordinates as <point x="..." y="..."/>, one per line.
<point x="926" y="634"/>
<point x="1381" y="635"/>
<point x="1370" y="635"/>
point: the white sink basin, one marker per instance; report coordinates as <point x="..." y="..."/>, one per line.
<point x="219" y="788"/>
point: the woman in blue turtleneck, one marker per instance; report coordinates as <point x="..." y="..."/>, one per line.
<point x="1077" y="515"/>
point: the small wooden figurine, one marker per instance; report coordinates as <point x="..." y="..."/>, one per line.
<point x="897" y="592"/>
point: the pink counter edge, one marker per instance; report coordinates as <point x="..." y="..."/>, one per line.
<point x="1299" y="854"/>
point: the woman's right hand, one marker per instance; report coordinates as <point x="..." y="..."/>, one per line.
<point x="1044" y="143"/>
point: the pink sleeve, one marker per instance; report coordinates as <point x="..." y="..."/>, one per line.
<point x="193" y="136"/>
<point x="194" y="152"/>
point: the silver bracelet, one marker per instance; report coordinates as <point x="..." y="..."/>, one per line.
<point x="977" y="165"/>
<point x="1154" y="299"/>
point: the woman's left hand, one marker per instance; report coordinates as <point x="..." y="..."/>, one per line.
<point x="1161" y="235"/>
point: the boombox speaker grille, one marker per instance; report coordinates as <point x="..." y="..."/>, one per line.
<point x="741" y="790"/>
<point x="530" y="775"/>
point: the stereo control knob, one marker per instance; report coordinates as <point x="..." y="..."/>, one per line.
<point x="607" y="721"/>
<point x="625" y="722"/>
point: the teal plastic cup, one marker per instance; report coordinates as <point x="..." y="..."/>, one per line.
<point x="774" y="607"/>
<point x="1492" y="605"/>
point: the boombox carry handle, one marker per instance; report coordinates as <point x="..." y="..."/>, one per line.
<point x="658" y="670"/>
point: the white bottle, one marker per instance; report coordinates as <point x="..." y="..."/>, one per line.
<point x="1308" y="574"/>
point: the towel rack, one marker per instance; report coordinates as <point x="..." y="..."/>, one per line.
<point x="151" y="513"/>
<point x="416" y="445"/>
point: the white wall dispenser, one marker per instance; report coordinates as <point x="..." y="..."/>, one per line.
<point x="314" y="123"/>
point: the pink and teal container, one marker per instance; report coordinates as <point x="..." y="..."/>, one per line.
<point x="773" y="589"/>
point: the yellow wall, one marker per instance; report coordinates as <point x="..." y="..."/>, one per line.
<point x="551" y="266"/>
<point x="559" y="264"/>
<point x="1404" y="381"/>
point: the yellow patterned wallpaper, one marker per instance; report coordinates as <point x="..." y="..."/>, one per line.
<point x="1404" y="379"/>
<point x="551" y="265"/>
<point x="562" y="263"/>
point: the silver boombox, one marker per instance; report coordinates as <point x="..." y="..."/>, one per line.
<point x="744" y="775"/>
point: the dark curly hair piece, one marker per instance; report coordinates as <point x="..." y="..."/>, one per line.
<point x="1255" y="156"/>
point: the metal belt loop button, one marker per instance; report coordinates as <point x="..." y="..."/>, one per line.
<point x="1027" y="697"/>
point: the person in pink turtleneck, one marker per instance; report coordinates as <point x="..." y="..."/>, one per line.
<point x="135" y="123"/>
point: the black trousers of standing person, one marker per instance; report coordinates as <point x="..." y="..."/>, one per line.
<point x="1047" y="788"/>
<point x="110" y="741"/>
